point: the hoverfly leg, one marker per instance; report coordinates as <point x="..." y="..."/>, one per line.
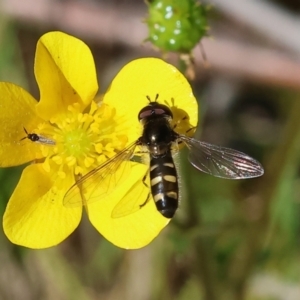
<point x="142" y="152"/>
<point x="175" y="146"/>
<point x="144" y="179"/>
<point x="137" y="158"/>
<point x="189" y="130"/>
<point x="146" y="201"/>
<point x="147" y="186"/>
<point x="192" y="128"/>
<point x="179" y="121"/>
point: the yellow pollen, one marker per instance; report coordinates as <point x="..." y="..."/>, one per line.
<point x="76" y="142"/>
<point x="82" y="140"/>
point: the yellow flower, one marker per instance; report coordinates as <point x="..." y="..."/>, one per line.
<point x="74" y="135"/>
<point x="128" y="92"/>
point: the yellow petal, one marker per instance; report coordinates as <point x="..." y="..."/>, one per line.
<point x="35" y="216"/>
<point x="132" y="228"/>
<point x="65" y="72"/>
<point x="150" y="77"/>
<point x="17" y="113"/>
<point x="98" y="184"/>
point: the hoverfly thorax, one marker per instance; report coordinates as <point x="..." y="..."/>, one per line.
<point x="158" y="134"/>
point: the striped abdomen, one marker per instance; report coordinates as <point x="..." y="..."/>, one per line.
<point x="164" y="184"/>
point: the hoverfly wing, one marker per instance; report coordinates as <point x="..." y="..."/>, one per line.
<point x="220" y="161"/>
<point x="136" y="197"/>
<point x="102" y="180"/>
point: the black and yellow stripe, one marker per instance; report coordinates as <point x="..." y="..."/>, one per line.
<point x="164" y="184"/>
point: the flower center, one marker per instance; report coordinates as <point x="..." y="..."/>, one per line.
<point x="82" y="140"/>
<point x="77" y="142"/>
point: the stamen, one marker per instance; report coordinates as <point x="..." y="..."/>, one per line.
<point x="83" y="140"/>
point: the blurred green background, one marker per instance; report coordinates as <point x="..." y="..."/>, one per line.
<point x="230" y="239"/>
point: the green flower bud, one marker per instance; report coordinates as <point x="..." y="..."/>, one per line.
<point x="176" y="25"/>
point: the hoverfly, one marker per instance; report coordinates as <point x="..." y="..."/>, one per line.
<point x="158" y="138"/>
<point x="34" y="137"/>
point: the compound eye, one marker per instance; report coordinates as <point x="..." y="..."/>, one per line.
<point x="163" y="110"/>
<point x="155" y="109"/>
<point x="145" y="113"/>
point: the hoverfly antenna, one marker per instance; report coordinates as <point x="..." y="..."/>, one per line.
<point x="149" y="99"/>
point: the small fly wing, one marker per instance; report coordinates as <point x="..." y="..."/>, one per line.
<point x="101" y="181"/>
<point x="137" y="196"/>
<point x="220" y="161"/>
<point x="45" y="140"/>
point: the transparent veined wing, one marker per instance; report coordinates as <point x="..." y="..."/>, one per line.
<point x="103" y="180"/>
<point x="136" y="197"/>
<point x="220" y="161"/>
